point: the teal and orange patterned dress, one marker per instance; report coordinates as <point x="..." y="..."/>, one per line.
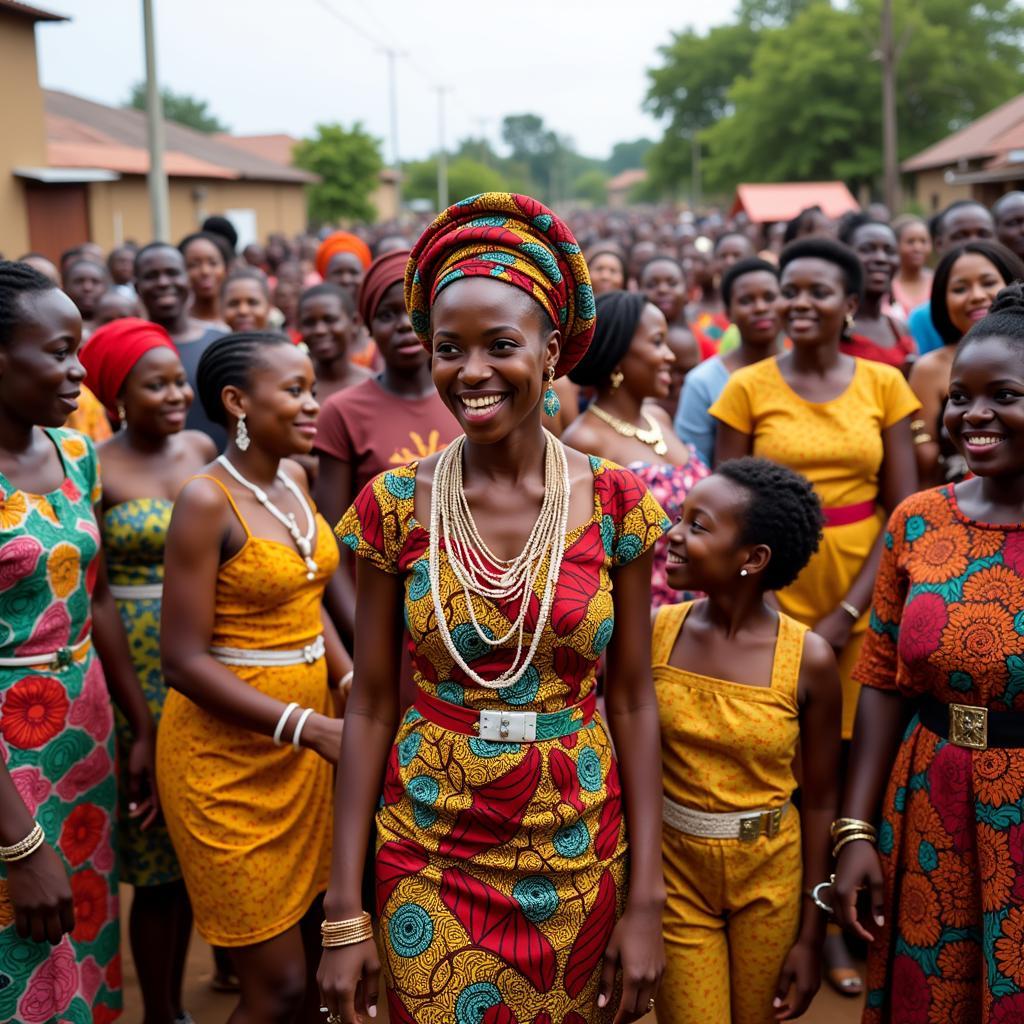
<point x="134" y="534"/>
<point x="57" y="741"/>
<point x="947" y="621"/>
<point x="501" y="867"/>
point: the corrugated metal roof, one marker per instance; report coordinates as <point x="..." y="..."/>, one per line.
<point x="768" y="203"/>
<point x="131" y="160"/>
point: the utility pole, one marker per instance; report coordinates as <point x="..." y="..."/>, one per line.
<point x="889" y="57"/>
<point x="157" y="177"/>
<point x="442" y="153"/>
<point x="695" y="182"/>
<point x="393" y="55"/>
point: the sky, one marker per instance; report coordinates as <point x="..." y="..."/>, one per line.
<point x="286" y="65"/>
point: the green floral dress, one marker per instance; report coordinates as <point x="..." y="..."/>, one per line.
<point x="57" y="741"/>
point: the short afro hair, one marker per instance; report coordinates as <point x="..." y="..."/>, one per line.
<point x="741" y="268"/>
<point x="782" y="512"/>
<point x="831" y="251"/>
<point x="328" y="289"/>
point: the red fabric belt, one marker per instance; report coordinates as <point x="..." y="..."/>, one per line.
<point x="467" y="720"/>
<point x="844" y="515"/>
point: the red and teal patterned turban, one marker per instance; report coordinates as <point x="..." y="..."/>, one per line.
<point x="514" y="239"/>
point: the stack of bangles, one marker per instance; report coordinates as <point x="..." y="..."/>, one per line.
<point x="848" y="830"/>
<point x="346" y="933"/>
<point x="25" y="847"/>
<point x="283" y="721"/>
<point x="918" y="432"/>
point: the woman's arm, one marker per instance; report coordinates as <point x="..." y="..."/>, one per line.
<point x="820" y="718"/>
<point x="333" y="497"/>
<point x="192" y="560"/>
<point x="731" y="443"/>
<point x="926" y="381"/>
<point x="636" y="944"/>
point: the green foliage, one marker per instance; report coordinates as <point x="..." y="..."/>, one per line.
<point x="349" y="162"/>
<point x="592" y="186"/>
<point x="466" y="177"/>
<point x="627" y="155"/>
<point x="180" y="108"/>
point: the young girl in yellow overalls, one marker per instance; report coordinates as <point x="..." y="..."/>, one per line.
<point x="740" y="688"/>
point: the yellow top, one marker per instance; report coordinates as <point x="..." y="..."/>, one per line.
<point x="90" y="418"/>
<point x="727" y="746"/>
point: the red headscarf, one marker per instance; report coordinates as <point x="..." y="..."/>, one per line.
<point x="341" y="241"/>
<point x="112" y="352"/>
<point x="384" y="272"/>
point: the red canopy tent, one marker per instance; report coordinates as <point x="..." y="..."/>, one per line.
<point x="768" y="203"/>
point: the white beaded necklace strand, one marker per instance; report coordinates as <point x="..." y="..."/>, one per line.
<point x="479" y="572"/>
<point x="287" y="520"/>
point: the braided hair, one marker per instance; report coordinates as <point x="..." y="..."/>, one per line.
<point x="782" y="512"/>
<point x="228" y="362"/>
<point x="1005" y="319"/>
<point x="17" y="280"/>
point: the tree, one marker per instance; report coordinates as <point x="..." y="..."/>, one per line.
<point x="466" y="177"/>
<point x="627" y="155"/>
<point x="180" y="108"/>
<point x="349" y="162"/>
<point x="592" y="186"/>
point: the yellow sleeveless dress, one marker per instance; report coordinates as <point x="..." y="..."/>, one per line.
<point x="733" y="907"/>
<point x="251" y="822"/>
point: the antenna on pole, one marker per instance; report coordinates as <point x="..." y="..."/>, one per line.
<point x="442" y="153"/>
<point x="157" y="177"/>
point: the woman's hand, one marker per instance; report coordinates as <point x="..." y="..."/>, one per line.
<point x="636" y="946"/>
<point x="143" y="798"/>
<point x="349" y="980"/>
<point x="39" y="889"/>
<point x="801" y="973"/>
<point x="836" y="628"/>
<point x="858" y="868"/>
<point x="323" y="734"/>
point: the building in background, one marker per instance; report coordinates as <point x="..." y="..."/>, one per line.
<point x="771" y="203"/>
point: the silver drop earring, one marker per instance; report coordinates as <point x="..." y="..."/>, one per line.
<point x="242" y="441"/>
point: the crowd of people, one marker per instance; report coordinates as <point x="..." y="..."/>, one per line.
<point x="518" y="620"/>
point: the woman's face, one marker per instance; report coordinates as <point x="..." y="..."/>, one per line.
<point x="392" y="331"/>
<point x="647" y="365"/>
<point x="491" y="348"/>
<point x="606" y="273"/>
<point x="204" y="265"/>
<point x="326" y="328"/>
<point x="245" y="306"/>
<point x="664" y="285"/>
<point x="162" y="283"/>
<point x="345" y="269"/>
<point x="40" y="375"/>
<point x="876" y="248"/>
<point x="973" y="285"/>
<point x="915" y="245"/>
<point x="156" y="393"/>
<point x="752" y="308"/>
<point x="813" y="304"/>
<point x="731" y="249"/>
<point x="985" y="412"/>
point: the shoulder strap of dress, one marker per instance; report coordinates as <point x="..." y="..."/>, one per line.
<point x="231" y="500"/>
<point x="667" y="623"/>
<point x="789" y="650"/>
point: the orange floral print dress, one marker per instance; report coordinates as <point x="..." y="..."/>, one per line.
<point x="948" y="621"/>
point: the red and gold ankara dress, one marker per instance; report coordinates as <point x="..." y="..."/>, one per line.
<point x="501" y="867"/>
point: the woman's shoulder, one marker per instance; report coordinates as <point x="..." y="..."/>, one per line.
<point x="764" y="369"/>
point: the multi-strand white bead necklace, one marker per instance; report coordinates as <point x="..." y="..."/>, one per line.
<point x="481" y="573"/>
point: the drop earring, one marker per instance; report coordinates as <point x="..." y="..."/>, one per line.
<point x="242" y="441"/>
<point x="616" y="379"/>
<point x="121" y="413"/>
<point x="551" y="403"/>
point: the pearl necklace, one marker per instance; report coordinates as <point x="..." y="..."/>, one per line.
<point x="653" y="436"/>
<point x="287" y="520"/>
<point x="480" y="573"/>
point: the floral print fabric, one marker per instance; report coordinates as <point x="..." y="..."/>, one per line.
<point x="948" y="621"/>
<point x="57" y="741"/>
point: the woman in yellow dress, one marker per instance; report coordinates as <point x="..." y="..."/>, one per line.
<point x="247" y="741"/>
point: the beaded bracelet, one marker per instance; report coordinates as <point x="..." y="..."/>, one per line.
<point x="25" y="847"/>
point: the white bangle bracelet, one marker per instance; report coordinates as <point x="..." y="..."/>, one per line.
<point x="285" y="715"/>
<point x="298" y="728"/>
<point x="346" y="679"/>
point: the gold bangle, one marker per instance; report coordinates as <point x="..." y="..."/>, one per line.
<point x="916" y="425"/>
<point x="852" y="839"/>
<point x="839" y="824"/>
<point x="851" y="609"/>
<point x="25" y="847"/>
<point x="922" y="438"/>
<point x="851" y="831"/>
<point x="346" y="933"/>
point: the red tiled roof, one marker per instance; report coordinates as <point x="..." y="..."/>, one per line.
<point x="130" y="160"/>
<point x="276" y="148"/>
<point x="768" y="203"/>
<point x="627" y="179"/>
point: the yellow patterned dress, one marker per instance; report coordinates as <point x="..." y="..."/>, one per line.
<point x="501" y="867"/>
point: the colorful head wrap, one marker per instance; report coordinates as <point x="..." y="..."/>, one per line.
<point x="341" y="241"/>
<point x="514" y="239"/>
<point x="112" y="352"/>
<point x="384" y="272"/>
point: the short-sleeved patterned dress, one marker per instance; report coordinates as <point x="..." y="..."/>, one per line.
<point x="57" y="741"/>
<point x="948" y="622"/>
<point x="501" y="867"/>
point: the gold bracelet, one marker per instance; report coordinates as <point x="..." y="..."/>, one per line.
<point x="852" y="839"/>
<point x="851" y="609"/>
<point x="923" y="439"/>
<point x="24" y="848"/>
<point x="843" y="833"/>
<point x="840" y="824"/>
<point x="916" y="425"/>
<point x="346" y="933"/>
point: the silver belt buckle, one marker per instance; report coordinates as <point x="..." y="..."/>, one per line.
<point x="508" y="726"/>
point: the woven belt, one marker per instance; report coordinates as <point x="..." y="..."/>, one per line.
<point x="745" y="825"/>
<point x="308" y="655"/>
<point x="506" y="726"/>
<point x="845" y="515"/>
<point x="52" y="661"/>
<point x="965" y="725"/>
<point x="137" y="591"/>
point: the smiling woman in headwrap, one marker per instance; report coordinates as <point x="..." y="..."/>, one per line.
<point x="342" y="259"/>
<point x="502" y="869"/>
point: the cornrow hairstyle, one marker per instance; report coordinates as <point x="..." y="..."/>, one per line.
<point x="217" y="241"/>
<point x="16" y="281"/>
<point x="830" y="251"/>
<point x="152" y="247"/>
<point x="741" y="268"/>
<point x="782" y="512"/>
<point x="228" y="362"/>
<point x="1008" y="263"/>
<point x="247" y="274"/>
<point x="319" y="291"/>
<point x="1005" y="319"/>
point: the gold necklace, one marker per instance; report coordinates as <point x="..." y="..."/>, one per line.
<point x="653" y="436"/>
